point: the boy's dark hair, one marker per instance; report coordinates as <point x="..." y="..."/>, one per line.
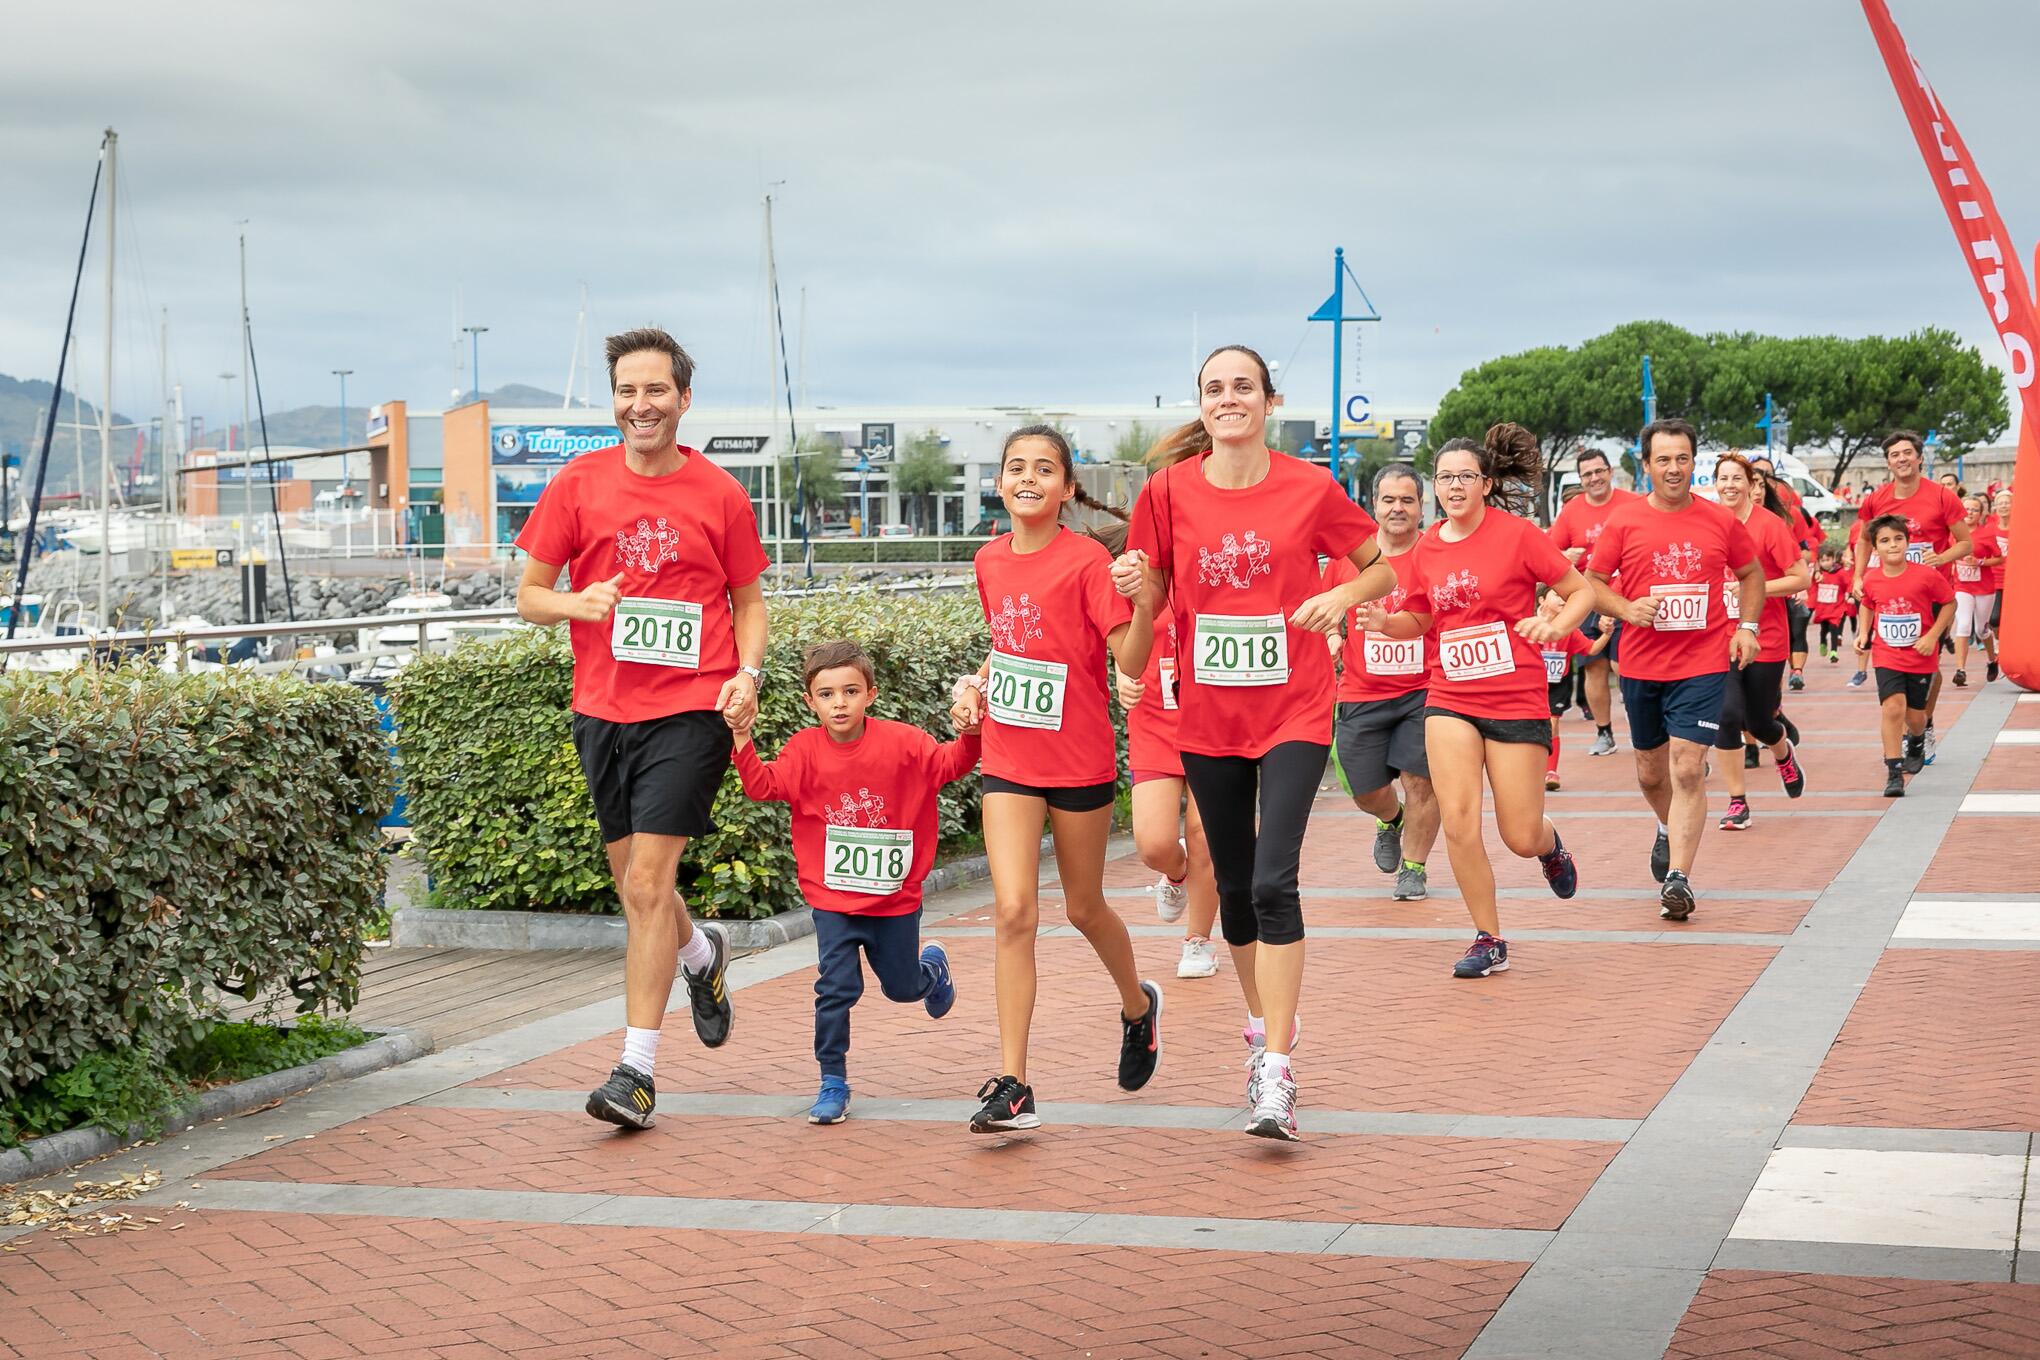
<point x="1883" y="522"/>
<point x="1904" y="437"/>
<point x="650" y="339"/>
<point x="824" y="656"/>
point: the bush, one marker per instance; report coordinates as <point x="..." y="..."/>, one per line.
<point x="167" y="834"/>
<point x="497" y="803"/>
<point x="881" y="552"/>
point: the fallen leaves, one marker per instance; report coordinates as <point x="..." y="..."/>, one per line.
<point x="73" y="1211"/>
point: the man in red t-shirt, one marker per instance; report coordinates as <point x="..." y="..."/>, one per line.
<point x="667" y="619"/>
<point x="1575" y="531"/>
<point x="1666" y="555"/>
<point x="1937" y="533"/>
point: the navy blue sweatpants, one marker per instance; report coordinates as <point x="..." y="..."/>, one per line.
<point x="893" y="946"/>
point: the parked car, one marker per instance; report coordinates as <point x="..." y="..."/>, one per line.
<point x="895" y="531"/>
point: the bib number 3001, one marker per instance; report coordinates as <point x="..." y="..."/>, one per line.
<point x="1026" y="693"/>
<point x="657" y="633"/>
<point x="866" y="859"/>
<point x="1242" y="649"/>
<point x="1681" y="608"/>
<point x="1476" y="652"/>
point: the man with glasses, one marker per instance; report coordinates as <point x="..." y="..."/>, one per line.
<point x="1575" y="531"/>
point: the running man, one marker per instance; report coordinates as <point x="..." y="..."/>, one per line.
<point x="667" y="619"/>
<point x="1934" y="519"/>
<point x="1378" y="737"/>
<point x="1668" y="552"/>
<point x="1575" y="531"/>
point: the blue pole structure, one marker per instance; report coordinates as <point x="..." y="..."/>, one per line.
<point x="1770" y="428"/>
<point x="1649" y="416"/>
<point x="1338" y="360"/>
<point x="475" y="335"/>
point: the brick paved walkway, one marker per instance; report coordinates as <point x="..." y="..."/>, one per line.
<point x="1798" y="1126"/>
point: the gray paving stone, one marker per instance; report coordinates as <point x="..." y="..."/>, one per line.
<point x="1456" y="1244"/>
<point x="1853" y="1258"/>
<point x="1991" y="1141"/>
<point x="1203" y="1234"/>
<point x="747" y="1215"/>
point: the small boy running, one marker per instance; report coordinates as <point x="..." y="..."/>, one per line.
<point x="865" y="820"/>
<point x="1830" y="594"/>
<point x="1906" y="609"/>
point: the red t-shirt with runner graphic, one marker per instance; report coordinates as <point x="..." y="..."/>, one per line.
<point x="1373" y="667"/>
<point x="1927" y="513"/>
<point x="1778" y="551"/>
<point x="1902" y="609"/>
<point x="1476" y="591"/>
<point x="1829" y="594"/>
<point x="1993" y="533"/>
<point x="1679" y="555"/>
<point x="1050" y="612"/>
<point x="865" y="816"/>
<point x="1240" y="562"/>
<point x="1151" y="724"/>
<point x="1580" y="522"/>
<point x="687" y="539"/>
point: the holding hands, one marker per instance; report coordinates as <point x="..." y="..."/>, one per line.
<point x="967" y="704"/>
<point x="1130" y="573"/>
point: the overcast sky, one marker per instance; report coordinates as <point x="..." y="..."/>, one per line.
<point x="1042" y="211"/>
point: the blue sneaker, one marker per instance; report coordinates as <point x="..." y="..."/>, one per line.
<point x="942" y="993"/>
<point x="832" y="1104"/>
<point x="1856" y="680"/>
<point x="1559" y="870"/>
<point x="1486" y="955"/>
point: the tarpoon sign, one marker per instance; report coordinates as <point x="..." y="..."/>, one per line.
<point x="546" y="445"/>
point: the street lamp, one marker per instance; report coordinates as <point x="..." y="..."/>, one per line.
<point x="341" y="374"/>
<point x="475" y="335"/>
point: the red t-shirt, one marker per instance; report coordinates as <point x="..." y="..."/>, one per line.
<point x="1680" y="555"/>
<point x="1927" y="513"/>
<point x="1373" y="667"/>
<point x="865" y="817"/>
<point x="1239" y="563"/>
<point x="1990" y="541"/>
<point x="1777" y="553"/>
<point x="685" y="539"/>
<point x="1830" y="595"/>
<point x="1476" y="591"/>
<point x="1902" y="609"/>
<point x="1151" y="724"/>
<point x="1579" y="523"/>
<point x="1050" y="613"/>
<point x="1558" y="656"/>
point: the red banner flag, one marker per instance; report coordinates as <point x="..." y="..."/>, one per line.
<point x="2001" y="279"/>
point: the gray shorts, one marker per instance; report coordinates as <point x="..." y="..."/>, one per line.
<point x="1376" y="740"/>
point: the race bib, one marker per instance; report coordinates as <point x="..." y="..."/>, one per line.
<point x="1918" y="552"/>
<point x="864" y="859"/>
<point x="1731" y="597"/>
<point x="1242" y="649"/>
<point x="1027" y="693"/>
<point x="1169" y="683"/>
<point x="1967" y="570"/>
<point x="1556" y="667"/>
<point x="1827" y="592"/>
<point x="1385" y="655"/>
<point x="1682" y="608"/>
<point x="657" y="633"/>
<point x="1898" y="630"/>
<point x="1476" y="652"/>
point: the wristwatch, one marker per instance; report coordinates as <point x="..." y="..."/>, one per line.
<point x="1745" y="623"/>
<point x="757" y="677"/>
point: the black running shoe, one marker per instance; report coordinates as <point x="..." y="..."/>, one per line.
<point x="1738" y="818"/>
<point x="625" y="1099"/>
<point x="1797" y="682"/>
<point x="707" y="996"/>
<point x="1008" y="1105"/>
<point x="1990" y="672"/>
<point x="1791" y="773"/>
<point x="1915" y="754"/>
<point x="1140" y="1046"/>
<point x="1894" y="781"/>
<point x="1660" y="856"/>
<point x="1675" y="902"/>
<point x="1559" y="871"/>
<point x="1791" y="727"/>
<point x="1749" y="757"/>
<point x="1961" y="678"/>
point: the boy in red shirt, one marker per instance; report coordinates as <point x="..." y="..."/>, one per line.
<point x="865" y="821"/>
<point x="1904" y="647"/>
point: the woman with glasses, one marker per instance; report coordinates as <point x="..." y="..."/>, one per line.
<point x="1476" y="577"/>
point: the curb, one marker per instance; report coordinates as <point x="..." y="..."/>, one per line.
<point x="44" y="1156"/>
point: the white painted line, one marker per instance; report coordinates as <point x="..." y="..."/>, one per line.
<point x="1969" y="921"/>
<point x="2001" y="802"/>
<point x="2029" y="698"/>
<point x="2020" y="736"/>
<point x="1897" y="1199"/>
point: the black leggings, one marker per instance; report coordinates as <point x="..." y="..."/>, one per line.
<point x="1749" y="703"/>
<point x="1831" y="633"/>
<point x="1257" y="897"/>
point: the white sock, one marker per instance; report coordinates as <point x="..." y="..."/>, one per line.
<point x="697" y="954"/>
<point x="1663" y="830"/>
<point x="1274" y="1065"/>
<point x="1256" y="1025"/>
<point x="640" y="1048"/>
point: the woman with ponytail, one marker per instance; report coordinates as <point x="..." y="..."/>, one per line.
<point x="1228" y="534"/>
<point x="1474" y="599"/>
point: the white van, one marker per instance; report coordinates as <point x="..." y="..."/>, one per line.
<point x="1820" y="502"/>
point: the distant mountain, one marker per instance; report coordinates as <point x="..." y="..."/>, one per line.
<point x="22" y="404"/>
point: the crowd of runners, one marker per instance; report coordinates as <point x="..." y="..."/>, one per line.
<point x="1256" y="625"/>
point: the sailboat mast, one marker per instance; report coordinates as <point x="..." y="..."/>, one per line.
<point x="106" y="397"/>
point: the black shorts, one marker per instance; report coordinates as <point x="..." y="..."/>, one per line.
<point x="1560" y="695"/>
<point x="1913" y="687"/>
<point x="1084" y="798"/>
<point x="1689" y="709"/>
<point x="1997" y="609"/>
<point x="658" y="776"/>
<point x="1514" y="731"/>
<point x="1374" y="741"/>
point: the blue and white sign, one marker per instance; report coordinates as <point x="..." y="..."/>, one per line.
<point x="525" y="445"/>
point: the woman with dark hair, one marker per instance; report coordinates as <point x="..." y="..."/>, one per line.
<point x="1228" y="534"/>
<point x="1751" y="696"/>
<point x="1477" y="572"/>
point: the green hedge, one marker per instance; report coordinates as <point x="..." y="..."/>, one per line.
<point x="889" y="552"/>
<point x="496" y="800"/>
<point x="166" y="834"/>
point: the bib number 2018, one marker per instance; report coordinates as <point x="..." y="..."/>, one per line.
<point x="1025" y="693"/>
<point x="1242" y="649"/>
<point x="866" y="860"/>
<point x="657" y="633"/>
